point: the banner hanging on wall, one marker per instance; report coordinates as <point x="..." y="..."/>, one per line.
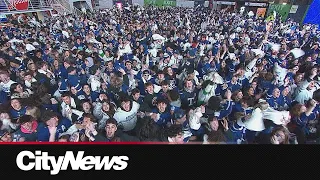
<point x="18" y="5"/>
<point x="160" y="2"/>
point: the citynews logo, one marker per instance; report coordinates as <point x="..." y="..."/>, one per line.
<point x="42" y="161"/>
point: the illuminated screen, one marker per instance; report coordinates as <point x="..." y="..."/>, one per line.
<point x="313" y="14"/>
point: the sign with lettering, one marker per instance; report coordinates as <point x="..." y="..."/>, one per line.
<point x="280" y="9"/>
<point x="160" y="2"/>
<point x="18" y="4"/>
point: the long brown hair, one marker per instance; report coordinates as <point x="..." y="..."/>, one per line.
<point x="295" y="111"/>
<point x="285" y="132"/>
<point x="112" y="108"/>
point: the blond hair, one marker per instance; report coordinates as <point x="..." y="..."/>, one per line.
<point x="34" y="112"/>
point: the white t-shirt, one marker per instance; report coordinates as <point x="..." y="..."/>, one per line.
<point x="127" y="119"/>
<point x="6" y="87"/>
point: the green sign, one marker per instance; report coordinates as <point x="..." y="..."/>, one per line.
<point x="282" y="9"/>
<point x="160" y="2"/>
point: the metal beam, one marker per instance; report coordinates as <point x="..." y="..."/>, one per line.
<point x="26" y="11"/>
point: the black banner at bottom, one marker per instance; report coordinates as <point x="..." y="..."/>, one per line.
<point x="141" y="161"/>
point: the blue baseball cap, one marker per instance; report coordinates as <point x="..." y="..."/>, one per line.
<point x="178" y="114"/>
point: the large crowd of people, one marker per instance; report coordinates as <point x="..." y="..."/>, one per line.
<point x="154" y="74"/>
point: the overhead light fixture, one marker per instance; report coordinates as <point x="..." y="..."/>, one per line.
<point x="284" y="3"/>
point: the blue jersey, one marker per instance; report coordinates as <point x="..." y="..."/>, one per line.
<point x="188" y="99"/>
<point x="165" y="117"/>
<point x="44" y="135"/>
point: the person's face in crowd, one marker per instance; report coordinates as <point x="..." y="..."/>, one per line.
<point x="251" y="91"/>
<point x="110" y="65"/>
<point x="214" y="125"/>
<point x="239" y="95"/>
<point x="74" y="72"/>
<point x="66" y="65"/>
<point x="105" y="107"/>
<point x="165" y="88"/>
<point x="86" y="121"/>
<point x="28" y="78"/>
<point x="78" y="41"/>
<point x="178" y="138"/>
<point x="303" y="109"/>
<point x="10" y="53"/>
<point x="6" y="138"/>
<point x="128" y="66"/>
<point x="52" y="122"/>
<point x="48" y="46"/>
<point x="15" y="104"/>
<point x="170" y="71"/>
<point x="223" y="64"/>
<point x="104" y="86"/>
<point x="136" y="96"/>
<point x="2" y="61"/>
<point x="234" y="79"/>
<point x="298" y="78"/>
<point x="150" y="89"/>
<point x="311" y="85"/>
<point x="67" y="100"/>
<point x="80" y="56"/>
<point x="260" y="68"/>
<point x="45" y="67"/>
<point x="107" y="54"/>
<point x="86" y="107"/>
<point x="161" y="76"/>
<point x="4" y="116"/>
<point x="315" y="56"/>
<point x="181" y="120"/>
<point x="66" y="54"/>
<point x="4" y="78"/>
<point x="162" y="107"/>
<point x="284" y="63"/>
<point x="38" y="54"/>
<point x="280" y="136"/>
<point x="285" y="91"/>
<point x="126" y="106"/>
<point x="86" y="89"/>
<point x="276" y="93"/>
<point x="189" y="85"/>
<point x="241" y="72"/>
<point x="274" y="53"/>
<point x="110" y="130"/>
<point x="73" y="90"/>
<point x="309" y="59"/>
<point x="167" y="59"/>
<point x="295" y="69"/>
<point x="27" y="125"/>
<point x="32" y="67"/>
<point x="19" y="89"/>
<point x="145" y="76"/>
